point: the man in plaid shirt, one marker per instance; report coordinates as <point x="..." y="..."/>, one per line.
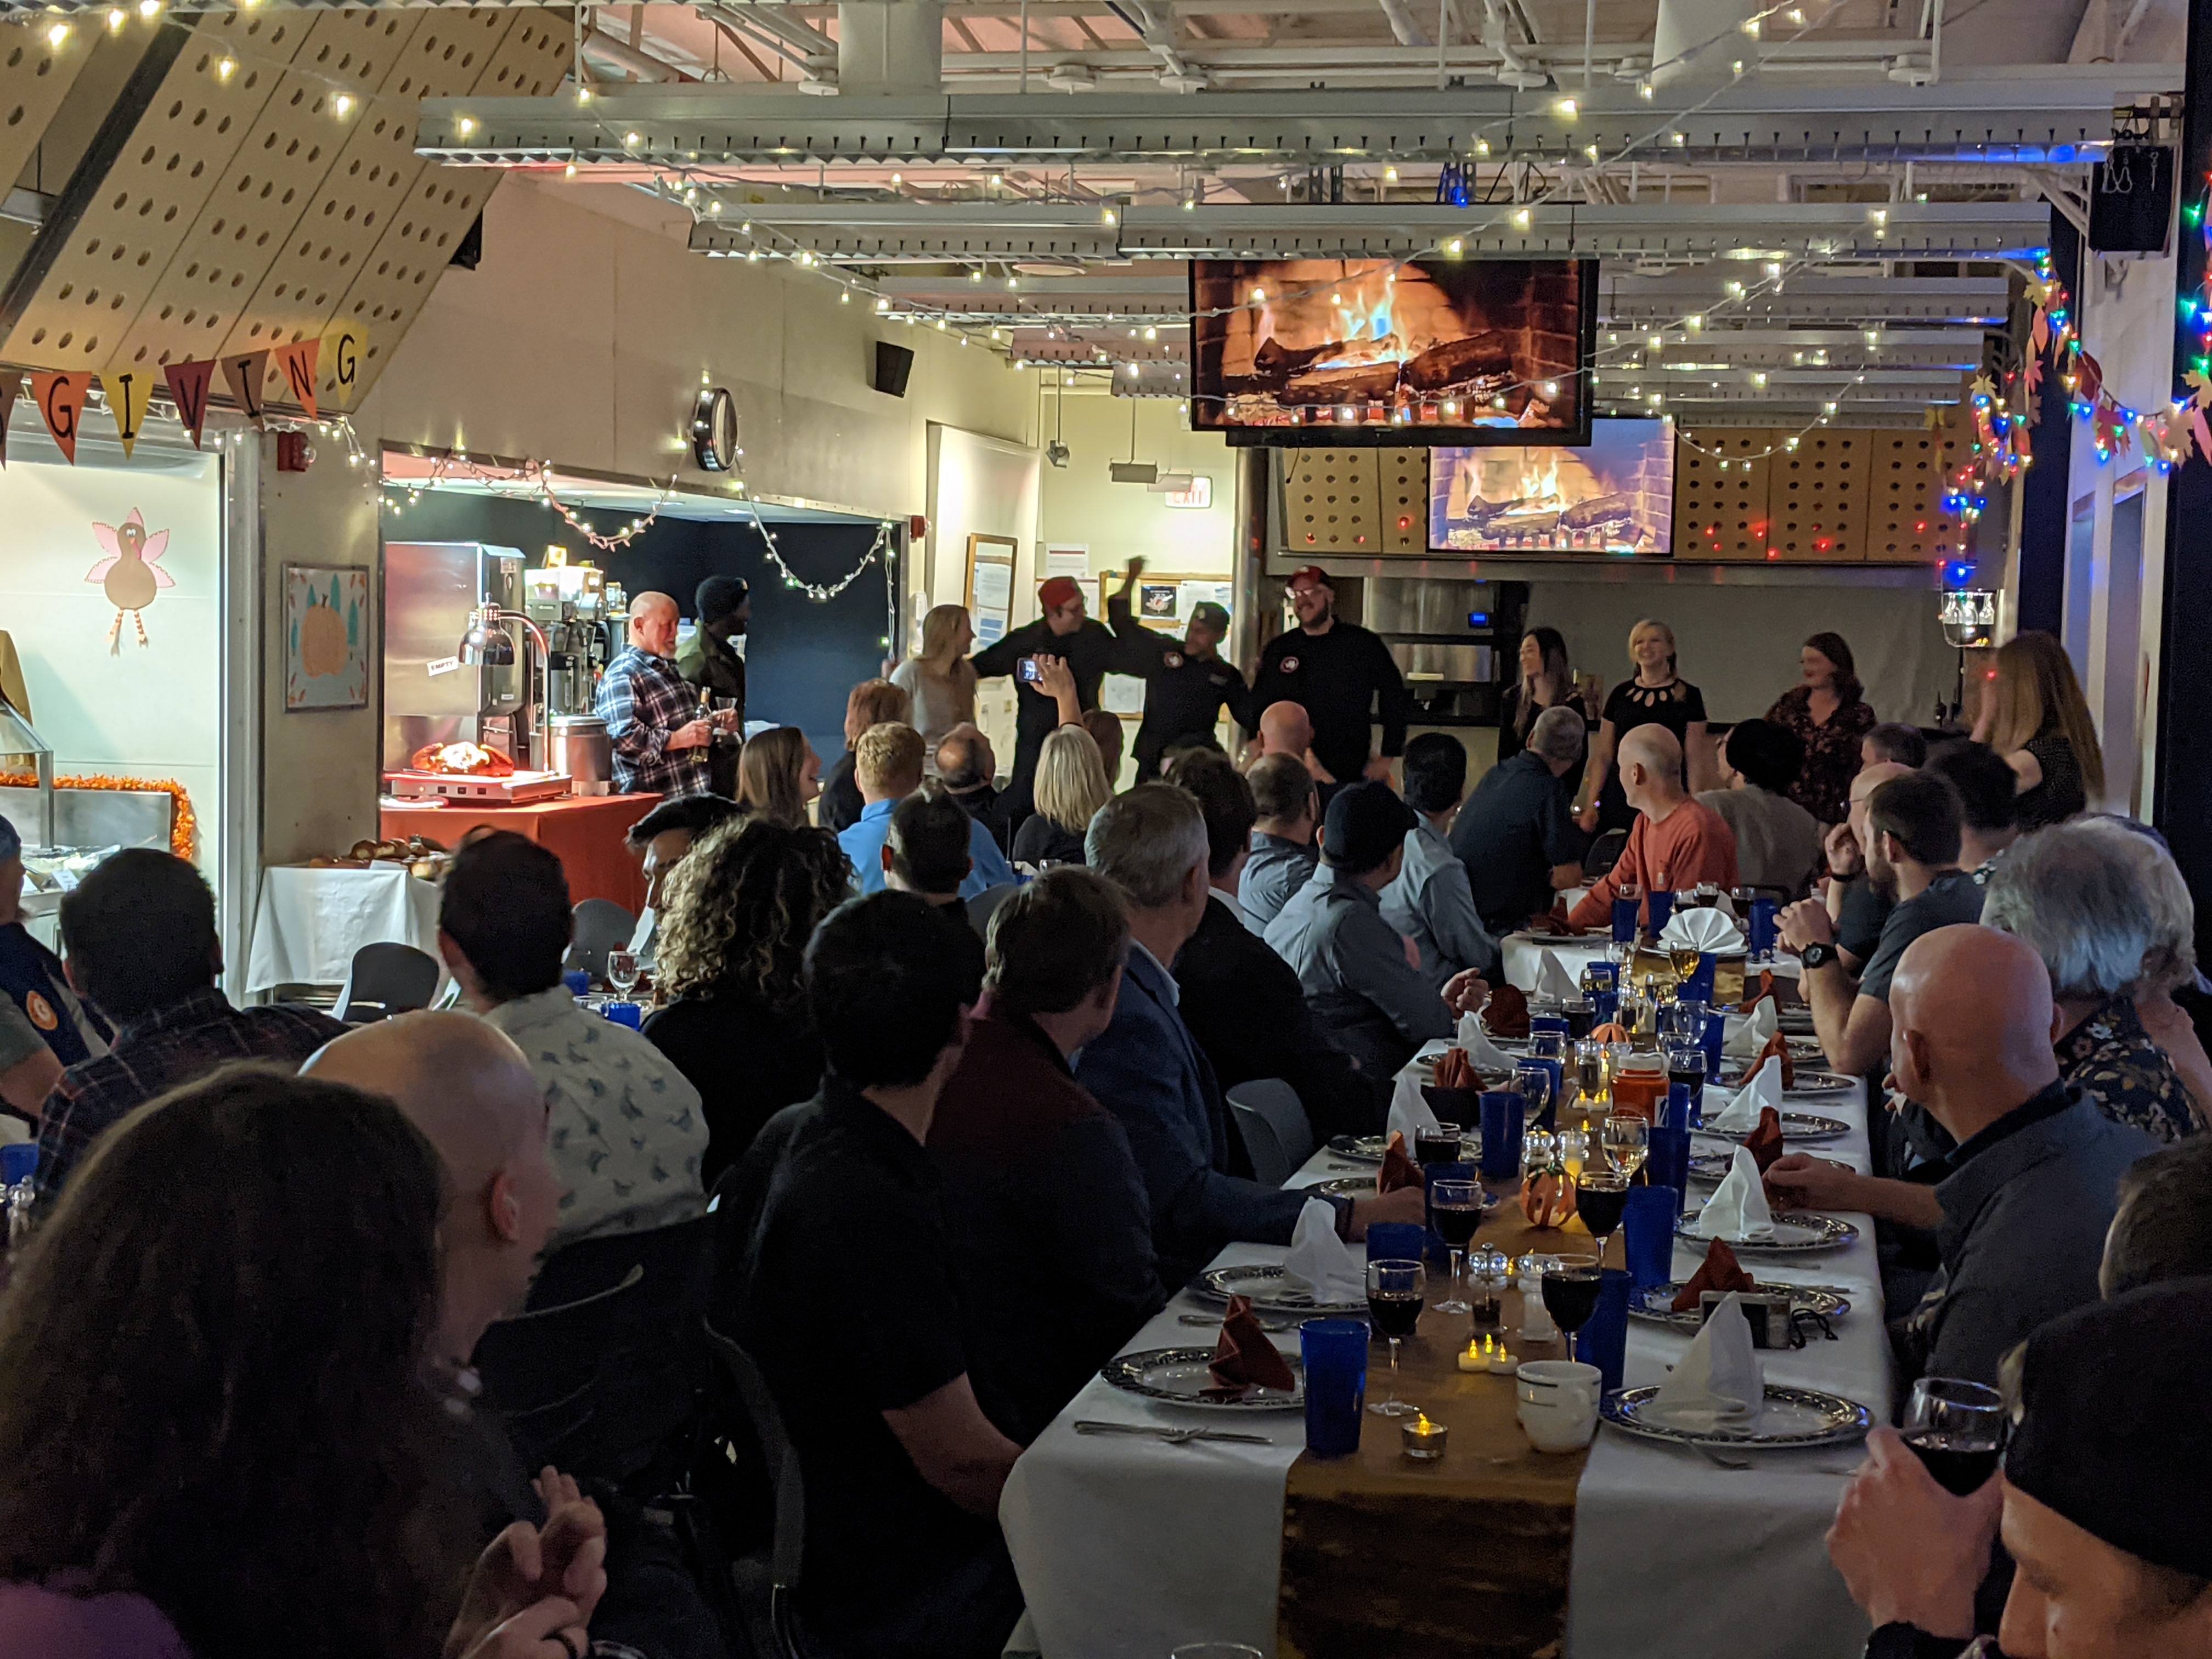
<point x="660" y="745"/>
<point x="140" y="935"/>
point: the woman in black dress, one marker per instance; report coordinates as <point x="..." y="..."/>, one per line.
<point x="740" y="910"/>
<point x="1656" y="697"/>
<point x="1829" y="713"/>
<point x="1545" y="682"/>
<point x="2035" y="716"/>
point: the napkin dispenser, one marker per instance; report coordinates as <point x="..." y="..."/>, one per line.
<point x="1767" y="1313"/>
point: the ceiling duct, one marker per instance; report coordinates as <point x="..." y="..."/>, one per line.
<point x="890" y="47"/>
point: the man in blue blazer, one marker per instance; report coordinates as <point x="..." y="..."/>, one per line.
<point x="1150" y="843"/>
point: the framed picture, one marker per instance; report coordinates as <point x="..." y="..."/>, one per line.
<point x="990" y="586"/>
<point x="326" y="627"/>
<point x="1157" y="600"/>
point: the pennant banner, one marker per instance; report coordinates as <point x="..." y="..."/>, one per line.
<point x="126" y="401"/>
<point x="188" y="386"/>
<point x="296" y="363"/>
<point x="244" y="374"/>
<point x="61" y="399"/>
<point x="344" y="350"/>
<point x="11" y="383"/>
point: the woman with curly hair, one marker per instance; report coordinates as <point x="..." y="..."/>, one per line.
<point x="779" y="774"/>
<point x="219" y="1435"/>
<point x="739" y="912"/>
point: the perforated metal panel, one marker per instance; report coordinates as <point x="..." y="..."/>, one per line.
<point x="272" y="174"/>
<point x="1907" y="524"/>
<point x="1721" y="513"/>
<point x="1819" y="499"/>
<point x="1329" y="499"/>
<point x="35" y="75"/>
<point x="152" y="197"/>
<point x="1404" y="499"/>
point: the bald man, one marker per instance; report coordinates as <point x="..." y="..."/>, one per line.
<point x="1676" y="843"/>
<point x="466" y="1086"/>
<point x="1286" y="728"/>
<point x="661" y="746"/>
<point x="2029" y="1190"/>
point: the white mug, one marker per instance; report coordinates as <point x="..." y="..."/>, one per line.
<point x="1557" y="1403"/>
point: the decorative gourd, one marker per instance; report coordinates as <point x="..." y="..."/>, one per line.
<point x="322" y="641"/>
<point x="1548" y="1197"/>
<point x="1612" y="1032"/>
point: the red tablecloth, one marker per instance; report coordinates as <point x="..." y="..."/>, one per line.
<point x="585" y="831"/>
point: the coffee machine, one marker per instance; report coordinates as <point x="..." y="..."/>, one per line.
<point x="568" y="603"/>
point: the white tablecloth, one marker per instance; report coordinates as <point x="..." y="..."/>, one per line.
<point x="310" y="922"/>
<point x="1524" y="952"/>
<point x="1128" y="1547"/>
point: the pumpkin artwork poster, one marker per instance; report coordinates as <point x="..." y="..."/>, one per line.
<point x="327" y="623"/>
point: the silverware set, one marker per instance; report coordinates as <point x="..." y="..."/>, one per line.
<point x="1272" y="1326"/>
<point x="1173" y="1436"/>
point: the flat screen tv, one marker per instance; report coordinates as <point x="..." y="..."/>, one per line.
<point x="1613" y="495"/>
<point x="1382" y="351"/>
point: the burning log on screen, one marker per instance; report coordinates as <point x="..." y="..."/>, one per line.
<point x="1456" y="362"/>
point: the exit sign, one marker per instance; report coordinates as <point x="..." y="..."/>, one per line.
<point x="1200" y="493"/>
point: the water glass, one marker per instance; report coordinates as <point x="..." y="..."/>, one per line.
<point x="1335" y="1355"/>
<point x="1627" y="899"/>
<point x="622" y="971"/>
<point x="1647" y="1234"/>
<point x="1603" y="1339"/>
<point x="1627" y="1143"/>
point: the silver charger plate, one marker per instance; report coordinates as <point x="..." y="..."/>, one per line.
<point x="1795" y="1125"/>
<point x="1364" y="1187"/>
<point x="1830" y="1303"/>
<point x="1424" y="1067"/>
<point x="1795" y="1231"/>
<point x="1711" y="1167"/>
<point x="1809" y="1081"/>
<point x="1180" y="1376"/>
<point x="1270" y="1290"/>
<point x="1792" y="1417"/>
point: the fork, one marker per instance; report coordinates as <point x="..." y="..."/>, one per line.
<point x="1271" y="1325"/>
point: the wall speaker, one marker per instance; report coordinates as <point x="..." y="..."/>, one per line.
<point x="893" y="364"/>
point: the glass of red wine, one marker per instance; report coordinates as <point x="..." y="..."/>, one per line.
<point x="1456" y="1211"/>
<point x="1957" y="1429"/>
<point x="1395" y="1291"/>
<point x="1601" y="1199"/>
<point x="1571" y="1283"/>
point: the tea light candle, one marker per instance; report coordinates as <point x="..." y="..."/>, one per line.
<point x="1424" y="1441"/>
<point x="1502" y="1363"/>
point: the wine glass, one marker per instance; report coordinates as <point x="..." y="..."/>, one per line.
<point x="1395" y="1291"/>
<point x="1683" y="959"/>
<point x="1533" y="1082"/>
<point x="1455" y="1211"/>
<point x="623" y="972"/>
<point x="1601" y="1199"/>
<point x="1627" y="1142"/>
<point x="1571" y="1283"/>
<point x="1957" y="1429"/>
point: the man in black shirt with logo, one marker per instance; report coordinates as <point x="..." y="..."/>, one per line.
<point x="1088" y="647"/>
<point x="1185" y="687"/>
<point x="1339" y="673"/>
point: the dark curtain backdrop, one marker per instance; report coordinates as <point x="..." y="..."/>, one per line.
<point x="801" y="658"/>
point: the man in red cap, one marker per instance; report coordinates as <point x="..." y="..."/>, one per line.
<point x="1339" y="673"/>
<point x="1090" y="651"/>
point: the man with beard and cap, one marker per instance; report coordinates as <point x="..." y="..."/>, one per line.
<point x="1186" y="686"/>
<point x="711" y="661"/>
<point x="1353" y="967"/>
<point x="2104" y="1504"/>
<point x="1088" y="649"/>
<point x="1343" y="675"/>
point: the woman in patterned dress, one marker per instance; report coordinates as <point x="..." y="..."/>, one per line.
<point x="1830" y="715"/>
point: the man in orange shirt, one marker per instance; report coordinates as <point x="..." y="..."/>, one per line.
<point x="1677" y="841"/>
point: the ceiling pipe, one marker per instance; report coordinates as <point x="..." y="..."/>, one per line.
<point x="1403" y="29"/>
<point x="608" y="52"/>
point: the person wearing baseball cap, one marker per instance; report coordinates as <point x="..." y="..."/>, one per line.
<point x="1088" y="647"/>
<point x="709" y="660"/>
<point x="1343" y="676"/>
<point x="1352" y="966"/>
<point x="44" y="1026"/>
<point x="1186" y="685"/>
<point x="2105" y="1504"/>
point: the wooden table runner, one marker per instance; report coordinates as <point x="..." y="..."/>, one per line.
<point x="1462" y="1558"/>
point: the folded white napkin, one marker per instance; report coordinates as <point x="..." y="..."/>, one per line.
<point x="1761" y="1089"/>
<point x="1482" y="1053"/>
<point x="1719" y="1380"/>
<point x="1737" y="1210"/>
<point x="1409" y="1109"/>
<point x="1552" y="980"/>
<point x="1753" y="1030"/>
<point x="1321" y="1264"/>
<point x="1705" y="929"/>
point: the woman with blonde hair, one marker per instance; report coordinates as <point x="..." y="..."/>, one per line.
<point x="778" y="775"/>
<point x="2033" y="714"/>
<point x="939" y="679"/>
<point x="1071" y="787"/>
<point x="1658" y="696"/>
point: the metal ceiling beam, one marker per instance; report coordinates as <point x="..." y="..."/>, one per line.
<point x="895" y="231"/>
<point x="2059" y="115"/>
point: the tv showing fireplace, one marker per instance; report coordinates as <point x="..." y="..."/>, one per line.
<point x="1613" y="495"/>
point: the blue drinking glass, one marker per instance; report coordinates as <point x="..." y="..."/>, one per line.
<point x="1648" y="1228"/>
<point x="577" y="980"/>
<point x="1605" y="1006"/>
<point x="1335" y="1355"/>
<point x="1659" y="904"/>
<point x="1397" y="1240"/>
<point x="1627" y="899"/>
<point x="1603" y="1342"/>
<point x="1501" y="1126"/>
<point x="1762" y="928"/>
<point x="631" y="1014"/>
<point x="1699" y="987"/>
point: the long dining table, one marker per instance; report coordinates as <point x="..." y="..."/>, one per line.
<point x="1128" y="1546"/>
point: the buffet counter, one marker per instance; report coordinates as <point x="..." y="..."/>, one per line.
<point x="585" y="831"/>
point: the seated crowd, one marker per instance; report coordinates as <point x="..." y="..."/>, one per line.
<point x="936" y="1138"/>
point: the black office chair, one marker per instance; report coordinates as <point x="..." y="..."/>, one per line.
<point x="601" y="925"/>
<point x="766" y="1581"/>
<point x="386" y="979"/>
<point x="1605" y="852"/>
<point x="543" y="1373"/>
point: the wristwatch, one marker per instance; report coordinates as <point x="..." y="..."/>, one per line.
<point x="1818" y="954"/>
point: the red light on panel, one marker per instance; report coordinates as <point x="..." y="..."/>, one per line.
<point x="1405" y="523"/>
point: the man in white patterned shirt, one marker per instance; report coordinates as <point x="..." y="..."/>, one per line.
<point x="661" y="746"/>
<point x="625" y="1128"/>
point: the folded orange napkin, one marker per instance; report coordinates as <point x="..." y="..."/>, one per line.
<point x="1777" y="1044"/>
<point x="1764" y="1143"/>
<point x="1720" y="1271"/>
<point x="1398" y="1168"/>
<point x="1506" y="1013"/>
<point x="1244" y="1357"/>
<point x="1751" y="998"/>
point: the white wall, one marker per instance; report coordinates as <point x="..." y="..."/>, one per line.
<point x="1120" y="521"/>
<point x="149" y="711"/>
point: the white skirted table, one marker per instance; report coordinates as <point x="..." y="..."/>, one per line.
<point x="311" y="920"/>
